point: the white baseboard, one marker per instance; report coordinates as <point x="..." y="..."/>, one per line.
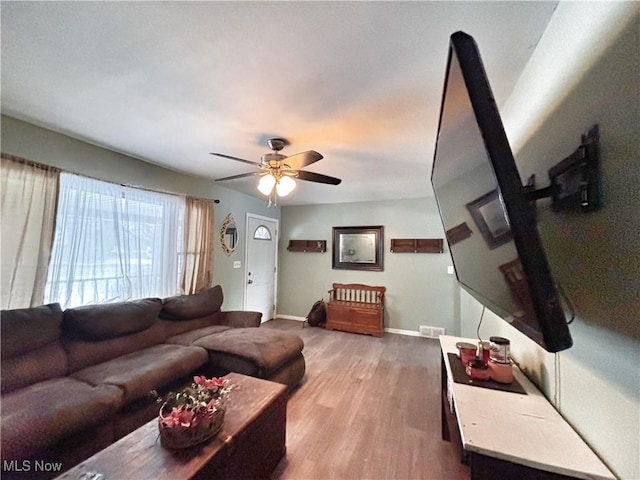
<point x="411" y="333"/>
<point x="291" y="317"/>
<point x="397" y="331"/>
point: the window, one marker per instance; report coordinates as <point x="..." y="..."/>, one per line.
<point x="262" y="233"/>
<point x="113" y="243"/>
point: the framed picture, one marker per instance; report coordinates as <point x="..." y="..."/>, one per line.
<point x="358" y="248"/>
<point x="489" y="215"/>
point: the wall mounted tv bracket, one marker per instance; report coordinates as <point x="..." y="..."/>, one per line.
<point x="575" y="181"/>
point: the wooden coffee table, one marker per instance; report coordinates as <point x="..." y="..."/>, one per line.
<point x="250" y="444"/>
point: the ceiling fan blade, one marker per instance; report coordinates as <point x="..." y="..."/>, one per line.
<point x="236" y="158"/>
<point x="242" y="175"/>
<point x="317" y="177"/>
<point x="303" y="159"/>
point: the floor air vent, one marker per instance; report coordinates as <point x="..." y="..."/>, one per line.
<point x="431" y="332"/>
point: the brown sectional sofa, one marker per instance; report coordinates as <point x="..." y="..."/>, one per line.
<point x="73" y="382"/>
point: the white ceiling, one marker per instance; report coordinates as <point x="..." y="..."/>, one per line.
<point x="169" y="82"/>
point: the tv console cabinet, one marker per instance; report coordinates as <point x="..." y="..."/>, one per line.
<point x="506" y="435"/>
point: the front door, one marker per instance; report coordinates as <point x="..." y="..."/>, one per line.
<point x="260" y="285"/>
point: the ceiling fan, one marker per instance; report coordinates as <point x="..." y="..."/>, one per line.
<point x="277" y="171"/>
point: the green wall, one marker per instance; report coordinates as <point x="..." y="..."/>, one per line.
<point x="233" y="279"/>
<point x="419" y="290"/>
<point x="45" y="146"/>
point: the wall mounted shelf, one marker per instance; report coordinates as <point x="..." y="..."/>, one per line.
<point x="417" y="245"/>
<point x="458" y="233"/>
<point x="307" y="246"/>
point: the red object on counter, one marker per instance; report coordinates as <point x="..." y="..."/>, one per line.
<point x="501" y="372"/>
<point x="466" y="352"/>
<point x="478" y="370"/>
<point x="484" y="351"/>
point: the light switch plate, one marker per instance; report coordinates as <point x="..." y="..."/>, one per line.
<point x="237" y="264"/>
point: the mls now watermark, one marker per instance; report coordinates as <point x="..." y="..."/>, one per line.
<point x="31" y="466"/>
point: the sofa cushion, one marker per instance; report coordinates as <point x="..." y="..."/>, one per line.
<point x="291" y="373"/>
<point x="40" y="415"/>
<point x="84" y="353"/>
<point x="240" y="318"/>
<point x="98" y="322"/>
<point x="25" y="329"/>
<point x="189" y="337"/>
<point x="138" y="373"/>
<point x="31" y="348"/>
<point x="267" y="349"/>
<point x="192" y="306"/>
<point x="172" y="327"/>
<point x="33" y="366"/>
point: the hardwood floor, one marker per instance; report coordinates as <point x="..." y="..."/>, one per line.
<point x="368" y="408"/>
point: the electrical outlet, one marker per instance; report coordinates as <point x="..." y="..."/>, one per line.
<point x="237" y="264"/>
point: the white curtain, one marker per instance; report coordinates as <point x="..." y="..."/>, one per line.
<point x="199" y="233"/>
<point x="114" y="243"/>
<point x="28" y="205"/>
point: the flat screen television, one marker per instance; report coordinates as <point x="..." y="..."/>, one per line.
<point x="489" y="221"/>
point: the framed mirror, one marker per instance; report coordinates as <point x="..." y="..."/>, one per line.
<point x="357" y="248"/>
<point x="228" y="234"/>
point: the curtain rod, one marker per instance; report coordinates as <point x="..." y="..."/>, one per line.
<point x="26" y="161"/>
<point x="43" y="166"/>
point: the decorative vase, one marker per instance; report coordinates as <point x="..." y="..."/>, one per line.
<point x="201" y="429"/>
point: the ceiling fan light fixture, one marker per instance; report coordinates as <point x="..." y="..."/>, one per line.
<point x="278" y="171"/>
<point x="266" y="184"/>
<point x="285" y="186"/>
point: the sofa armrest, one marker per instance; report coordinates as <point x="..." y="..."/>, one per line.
<point x="240" y="319"/>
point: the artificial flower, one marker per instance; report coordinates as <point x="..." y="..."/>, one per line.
<point x="204" y="397"/>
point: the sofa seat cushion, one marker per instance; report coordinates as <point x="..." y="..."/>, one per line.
<point x="172" y="328"/>
<point x="85" y="353"/>
<point x="138" y="373"/>
<point x="32" y="367"/>
<point x="267" y="349"/>
<point x="38" y="416"/>
<point x="189" y="337"/>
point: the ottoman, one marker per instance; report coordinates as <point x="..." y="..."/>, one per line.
<point x="262" y="353"/>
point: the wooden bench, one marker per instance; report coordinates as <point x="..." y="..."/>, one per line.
<point x="356" y="308"/>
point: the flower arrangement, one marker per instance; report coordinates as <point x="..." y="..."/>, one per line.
<point x="196" y="414"/>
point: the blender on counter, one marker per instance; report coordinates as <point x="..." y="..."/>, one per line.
<point x="500" y="361"/>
